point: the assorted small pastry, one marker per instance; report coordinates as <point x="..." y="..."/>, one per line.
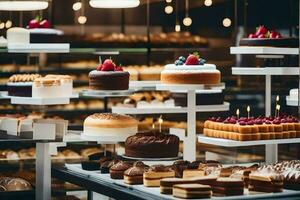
<point x="190" y="70"/>
<point x="14" y="184"/>
<point x="225" y="186"/>
<point x="21" y="84"/>
<point x="109" y="76"/>
<point x="27" y="85"/>
<point x="117" y="170"/>
<point x="267" y="37"/>
<point x="244" y="129"/>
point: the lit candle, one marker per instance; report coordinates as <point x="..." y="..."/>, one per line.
<point x="153" y="126"/>
<point x="160" y="121"/>
<point x="238" y="113"/>
<point x="100" y="60"/>
<point x="278" y="109"/>
<point x="277" y="99"/>
<point x="248" y="111"/>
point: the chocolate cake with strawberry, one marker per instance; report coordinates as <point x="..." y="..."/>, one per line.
<point x="265" y="37"/>
<point x="41" y="31"/>
<point x="109" y="76"/>
<point x="190" y="70"/>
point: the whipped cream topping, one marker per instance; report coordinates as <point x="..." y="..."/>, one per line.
<point x="190" y="67"/>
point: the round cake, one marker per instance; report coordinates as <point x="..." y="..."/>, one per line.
<point x="109" y="124"/>
<point x="109" y="76"/>
<point x="190" y="74"/>
<point x="109" y="80"/>
<point x="152" y="145"/>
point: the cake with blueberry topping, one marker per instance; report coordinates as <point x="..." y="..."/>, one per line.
<point x="190" y="70"/>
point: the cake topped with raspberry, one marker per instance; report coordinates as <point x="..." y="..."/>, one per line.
<point x="109" y="76"/>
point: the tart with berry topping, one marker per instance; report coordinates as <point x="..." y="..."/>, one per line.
<point x="265" y="37"/>
<point x="108" y="76"/>
<point x="190" y="70"/>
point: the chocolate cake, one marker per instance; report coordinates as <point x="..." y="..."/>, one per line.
<point x="108" y="80"/>
<point x="21" y="84"/>
<point x="271" y="42"/>
<point x="152" y="145"/>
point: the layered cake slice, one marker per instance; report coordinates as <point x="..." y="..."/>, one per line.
<point x="266" y="179"/>
<point x="192" y="191"/>
<point x="153" y="176"/>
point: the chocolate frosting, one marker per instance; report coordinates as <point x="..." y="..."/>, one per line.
<point x="121" y="166"/>
<point x="138" y="169"/>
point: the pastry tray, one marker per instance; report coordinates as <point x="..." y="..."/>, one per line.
<point x="155" y="191"/>
<point x="106" y="93"/>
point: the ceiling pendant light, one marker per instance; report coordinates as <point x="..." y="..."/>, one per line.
<point x="177" y="25"/>
<point x="23" y="5"/>
<point x="114" y="3"/>
<point x="187" y="21"/>
<point x="77" y="6"/>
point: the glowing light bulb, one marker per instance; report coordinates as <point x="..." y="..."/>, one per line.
<point x="177" y="28"/>
<point x="187" y="21"/>
<point x="208" y="3"/>
<point x="8" y="24"/>
<point x="226" y="22"/>
<point x="169" y="9"/>
<point x="2" y="25"/>
<point x="82" y="19"/>
<point x="169" y="1"/>
<point x="77" y="6"/>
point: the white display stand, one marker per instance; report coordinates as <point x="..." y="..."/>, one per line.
<point x="39" y="48"/>
<point x="143" y="85"/>
<point x="264" y="50"/>
<point x="104" y="139"/>
<point x="39" y="101"/>
<point x="169" y="110"/>
<point x="190" y="141"/>
<point x="106" y="93"/>
<point x="271" y="151"/>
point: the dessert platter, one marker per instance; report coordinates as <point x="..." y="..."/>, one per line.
<point x="271" y="38"/>
<point x="35" y="89"/>
<point x="184" y="179"/>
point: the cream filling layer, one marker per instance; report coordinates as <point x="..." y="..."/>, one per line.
<point x="190" y="67"/>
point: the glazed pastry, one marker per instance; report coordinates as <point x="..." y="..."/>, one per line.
<point x="134" y="175"/>
<point x="179" y="167"/>
<point x="118" y="169"/>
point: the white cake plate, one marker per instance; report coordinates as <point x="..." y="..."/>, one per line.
<point x="154" y="159"/>
<point x="106" y="93"/>
<point x="111" y="139"/>
<point x="183" y="88"/>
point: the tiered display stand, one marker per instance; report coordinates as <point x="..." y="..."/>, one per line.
<point x="271" y="152"/>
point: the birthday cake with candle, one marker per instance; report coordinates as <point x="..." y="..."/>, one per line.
<point x="152" y="144"/>
<point x="260" y="128"/>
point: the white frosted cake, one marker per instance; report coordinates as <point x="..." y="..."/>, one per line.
<point x="47" y="88"/>
<point x="17" y="35"/>
<point x="66" y="83"/>
<point x="190" y="74"/>
<point x="109" y="124"/>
